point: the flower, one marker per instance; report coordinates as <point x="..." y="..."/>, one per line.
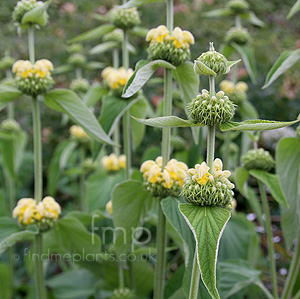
<point x="182" y="39"/>
<point x="43" y="214"/>
<point x="125" y="18"/>
<point x="158" y="34"/>
<point x="162" y="182"/>
<point x="113" y="163"/>
<point x="236" y="92"/>
<point x="109" y="207"/>
<point x="79" y="134"/>
<point x="116" y="78"/>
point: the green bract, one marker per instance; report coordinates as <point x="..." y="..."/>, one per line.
<point x="115" y="36"/>
<point x="237" y="96"/>
<point x="80" y="85"/>
<point x="77" y="60"/>
<point x="125" y="18"/>
<point x="210" y="110"/>
<point x="258" y="159"/>
<point x="239" y="36"/>
<point x="10" y="126"/>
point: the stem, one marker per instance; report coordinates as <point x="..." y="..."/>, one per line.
<point x="31" y="44"/>
<point x="297" y="296"/>
<point x="121" y="275"/>
<point x="227" y="139"/>
<point x="78" y="73"/>
<point x="212" y="90"/>
<point x="115" y="58"/>
<point x="238" y="23"/>
<point x="10" y="110"/>
<point x="82" y="199"/>
<point x="293" y="272"/>
<point x="269" y="235"/>
<point x="194" y="287"/>
<point x="11" y="192"/>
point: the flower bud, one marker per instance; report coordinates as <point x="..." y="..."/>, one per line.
<point x="88" y="165"/>
<point x="77" y="60"/>
<point x="125" y="18"/>
<point x="211" y="110"/>
<point x="109" y="208"/>
<point x="123" y="293"/>
<point x="114" y="36"/>
<point x="213" y="60"/>
<point x="80" y="85"/>
<point x="74" y="48"/>
<point x="7" y="62"/>
<point x="238" y="6"/>
<point x="239" y="36"/>
<point x="33" y="79"/>
<point x="10" y="126"/>
<point x="258" y="159"/>
<point x="78" y="134"/>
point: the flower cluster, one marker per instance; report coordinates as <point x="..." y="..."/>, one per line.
<point x="163" y="182"/>
<point x="210" y="110"/>
<point x="116" y="78"/>
<point x="237" y="35"/>
<point x="78" y="134"/>
<point x="238" y="6"/>
<point x="124" y="293"/>
<point x="114" y="36"/>
<point x="113" y="163"/>
<point x="125" y="18"/>
<point x="33" y="79"/>
<point x="77" y="60"/>
<point x="80" y="85"/>
<point x="10" y="126"/>
<point x="88" y="165"/>
<point x="208" y="189"/>
<point x="23" y="7"/>
<point x="173" y="48"/>
<point x="236" y="92"/>
<point x="258" y="159"/>
<point x="43" y="214"/>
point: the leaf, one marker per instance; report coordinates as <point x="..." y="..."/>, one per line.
<point x="143" y="75"/>
<point x="132" y="3"/>
<point x="285" y="61"/>
<point x="207" y="224"/>
<point x="272" y="182"/>
<point x="62" y="69"/>
<point x="167" y="121"/>
<point x="8" y="93"/>
<point x="216" y="13"/>
<point x="95" y="95"/>
<point x="10" y="234"/>
<point x="288" y="171"/>
<point x="94" y="65"/>
<point x="247" y="110"/>
<point x="37" y="15"/>
<point x="139" y="31"/>
<point x="294" y="10"/>
<point x="6" y="282"/>
<point x="128" y="198"/>
<point x="68" y="102"/>
<point x="241" y="175"/>
<point x="231" y="64"/>
<point x="139" y="109"/>
<point x="104" y="47"/>
<point x="93" y="33"/>
<point x="253" y="19"/>
<point x="73" y="284"/>
<point x="248" y="58"/>
<point x="201" y="69"/>
<point x="255" y="125"/>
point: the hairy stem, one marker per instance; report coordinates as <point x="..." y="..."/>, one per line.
<point x="78" y="73"/>
<point x="194" y="287"/>
<point x="269" y="235"/>
<point x="82" y="200"/>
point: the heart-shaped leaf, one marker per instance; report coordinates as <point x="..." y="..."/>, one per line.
<point x="207" y="224"/>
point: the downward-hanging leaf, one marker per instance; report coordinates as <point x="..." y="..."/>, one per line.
<point x="8" y="93"/>
<point x="104" y="47"/>
<point x="294" y="9"/>
<point x="37" y="15"/>
<point x="272" y="182"/>
<point x="288" y="171"/>
<point x="253" y="19"/>
<point x="128" y="199"/>
<point x="167" y="121"/>
<point x="92" y="34"/>
<point x="143" y="74"/>
<point x="207" y="224"/>
<point x="68" y="102"/>
<point x="132" y="3"/>
<point x="285" y="61"/>
<point x="248" y="59"/>
<point x="255" y="125"/>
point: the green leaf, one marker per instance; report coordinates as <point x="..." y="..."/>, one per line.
<point x="139" y="31"/>
<point x="94" y="65"/>
<point x="8" y="93"/>
<point x="231" y="64"/>
<point x="62" y="69"/>
<point x="247" y="110"/>
<point x="207" y="224"/>
<point x="128" y="199"/>
<point x="143" y="75"/>
<point x="272" y="182"/>
<point x="93" y="34"/>
<point x="99" y="187"/>
<point x="188" y="83"/>
<point x="241" y="176"/>
<point x="201" y="69"/>
<point x="294" y="10"/>
<point x="248" y="58"/>
<point x="95" y="95"/>
<point x="216" y="13"/>
<point x="255" y="125"/>
<point x="104" y="47"/>
<point x="132" y="3"/>
<point x="285" y="61"/>
<point x="288" y="171"/>
<point x="68" y="102"/>
<point x="167" y="121"/>
<point x="73" y="284"/>
<point x="37" y="15"/>
<point x="139" y="110"/>
<point x="253" y="19"/>
<point x="10" y="234"/>
<point x="6" y="282"/>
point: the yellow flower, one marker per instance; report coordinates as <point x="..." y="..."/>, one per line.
<point x="218" y="170"/>
<point x="25" y="210"/>
<point x="202" y="173"/>
<point x="145" y="167"/>
<point x="78" y="133"/>
<point x="51" y="209"/>
<point x="113" y="162"/>
<point x="105" y="73"/>
<point x="116" y="78"/>
<point x="109" y="207"/>
<point x="227" y="86"/>
<point x="157" y="34"/>
<point x="122" y="161"/>
<point x="241" y="86"/>
<point x="182" y="39"/>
